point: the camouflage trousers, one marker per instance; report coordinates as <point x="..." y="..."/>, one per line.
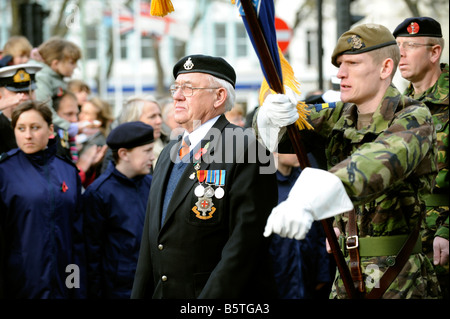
<point x="436" y="217"/>
<point x="417" y="280"/>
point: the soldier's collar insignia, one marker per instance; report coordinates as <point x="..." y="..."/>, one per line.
<point x="188" y="65"/>
<point x="355" y="42"/>
<point x="413" y="28"/>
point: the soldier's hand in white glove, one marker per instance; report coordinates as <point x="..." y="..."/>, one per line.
<point x="316" y="195"/>
<point x="277" y="112"/>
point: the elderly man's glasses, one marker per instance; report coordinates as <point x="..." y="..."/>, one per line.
<point x="186" y="89"/>
<point x="409" y="46"/>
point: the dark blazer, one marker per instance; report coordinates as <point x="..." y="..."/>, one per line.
<point x="225" y="256"/>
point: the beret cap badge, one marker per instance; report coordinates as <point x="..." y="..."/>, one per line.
<point x="413" y="28"/>
<point x="355" y="42"/>
<point x="188" y="65"/>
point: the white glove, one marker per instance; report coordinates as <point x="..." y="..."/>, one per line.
<point x="317" y="194"/>
<point x="277" y="111"/>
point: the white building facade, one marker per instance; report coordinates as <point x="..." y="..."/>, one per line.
<point x="109" y="30"/>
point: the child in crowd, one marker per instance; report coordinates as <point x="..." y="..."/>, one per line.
<point x="81" y="90"/>
<point x="59" y="58"/>
<point x="113" y="227"/>
<point x="17" y="50"/>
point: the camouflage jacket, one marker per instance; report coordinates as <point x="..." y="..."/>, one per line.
<point x="385" y="166"/>
<point x="437" y="100"/>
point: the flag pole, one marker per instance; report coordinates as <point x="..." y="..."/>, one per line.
<point x="276" y="84"/>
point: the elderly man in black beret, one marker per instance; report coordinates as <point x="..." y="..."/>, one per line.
<point x="212" y="192"/>
<point x="421" y="46"/>
<point x="114" y="209"/>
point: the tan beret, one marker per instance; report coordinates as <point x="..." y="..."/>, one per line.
<point x="363" y="38"/>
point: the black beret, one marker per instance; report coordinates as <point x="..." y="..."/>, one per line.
<point x="418" y="27"/>
<point x="129" y="135"/>
<point x="215" y="66"/>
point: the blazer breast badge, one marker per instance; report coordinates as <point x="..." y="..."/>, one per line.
<point x="205" y="191"/>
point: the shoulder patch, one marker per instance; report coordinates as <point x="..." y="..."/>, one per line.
<point x="323" y="106"/>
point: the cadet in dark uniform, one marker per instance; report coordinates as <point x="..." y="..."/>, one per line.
<point x="40" y="218"/>
<point x="206" y="212"/>
<point x="17" y="84"/>
<point x="114" y="210"/>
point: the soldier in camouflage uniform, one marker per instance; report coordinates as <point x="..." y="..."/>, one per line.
<point x="381" y="146"/>
<point x="421" y="45"/>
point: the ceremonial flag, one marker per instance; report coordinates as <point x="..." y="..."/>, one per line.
<point x="265" y="13"/>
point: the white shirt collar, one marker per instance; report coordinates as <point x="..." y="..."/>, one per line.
<point x="199" y="133"/>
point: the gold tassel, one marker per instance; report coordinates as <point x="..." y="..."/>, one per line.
<point x="290" y="81"/>
<point x="161" y="8"/>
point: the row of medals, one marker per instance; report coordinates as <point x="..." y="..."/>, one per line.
<point x="207" y="191"/>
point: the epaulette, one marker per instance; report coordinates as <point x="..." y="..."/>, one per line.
<point x="8" y="154"/>
<point x="322" y="106"/>
<point x="3" y="157"/>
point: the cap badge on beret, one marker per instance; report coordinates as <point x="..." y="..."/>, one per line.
<point x="356" y="42"/>
<point x="413" y="28"/>
<point x="21" y="76"/>
<point x="188" y="65"/>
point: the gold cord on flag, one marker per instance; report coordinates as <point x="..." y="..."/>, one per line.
<point x="290" y="81"/>
<point x="161" y="8"/>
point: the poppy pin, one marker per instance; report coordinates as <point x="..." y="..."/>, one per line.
<point x="64" y="187"/>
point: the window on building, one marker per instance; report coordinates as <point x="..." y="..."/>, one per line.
<point x="179" y="48"/>
<point x="234" y="34"/>
<point x="311" y="48"/>
<point x="241" y="40"/>
<point x="124" y="45"/>
<point x="147" y="47"/>
<point x="91" y="42"/>
<point x="221" y="39"/>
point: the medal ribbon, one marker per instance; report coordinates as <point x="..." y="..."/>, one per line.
<point x="220" y="177"/>
<point x="210" y="177"/>
<point x="201" y="174"/>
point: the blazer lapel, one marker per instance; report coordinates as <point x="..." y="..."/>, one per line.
<point x="161" y="175"/>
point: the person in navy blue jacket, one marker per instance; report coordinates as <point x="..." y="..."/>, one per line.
<point x="114" y="208"/>
<point x="39" y="213"/>
<point x="303" y="268"/>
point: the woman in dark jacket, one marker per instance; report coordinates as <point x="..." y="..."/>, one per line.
<point x="39" y="212"/>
